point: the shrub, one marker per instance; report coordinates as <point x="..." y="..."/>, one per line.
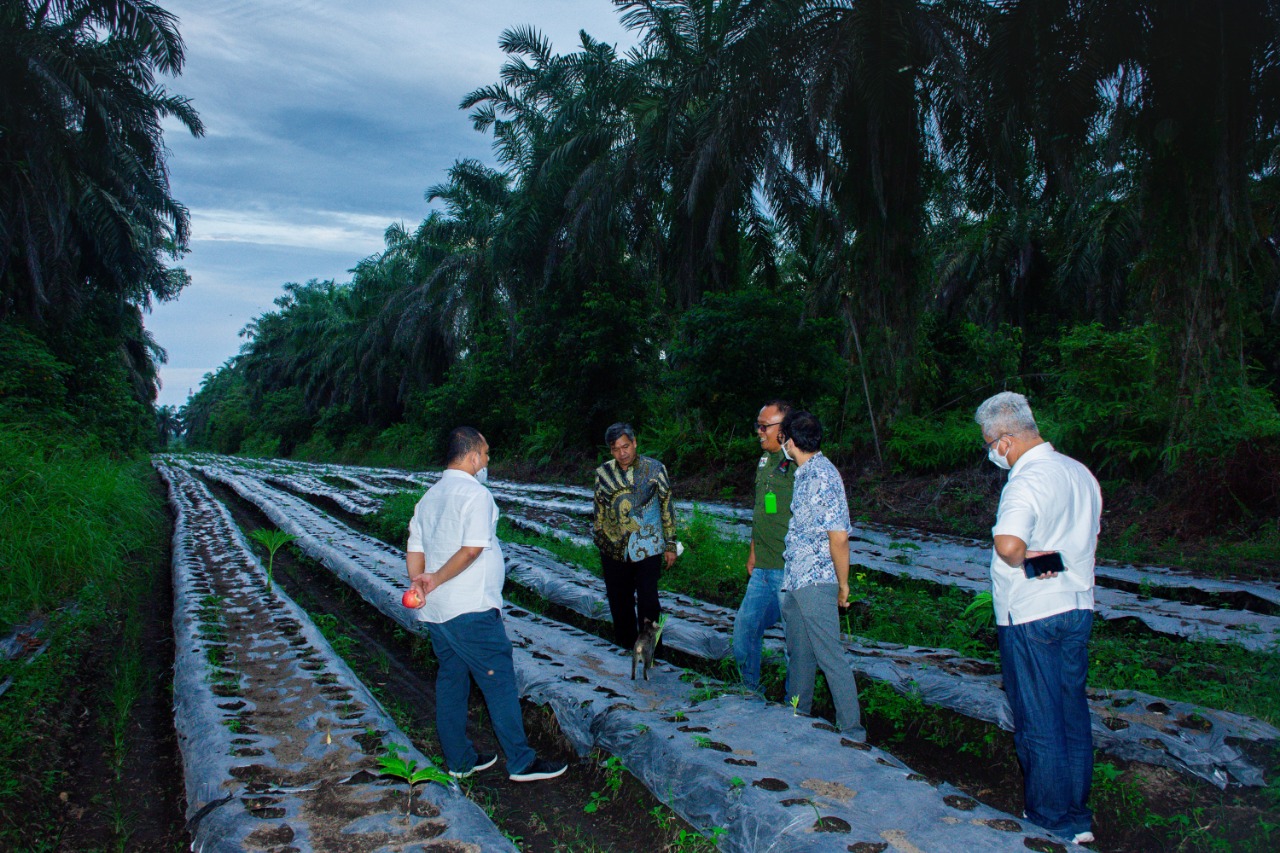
<point x="934" y="444"/>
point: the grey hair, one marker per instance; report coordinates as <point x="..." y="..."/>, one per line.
<point x="617" y="431"/>
<point x="1006" y="413"/>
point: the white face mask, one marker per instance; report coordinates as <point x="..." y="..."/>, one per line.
<point x="786" y="453"/>
<point x="482" y="476"/>
<point x="996" y="459"/>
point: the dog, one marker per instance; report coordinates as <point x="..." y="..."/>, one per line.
<point x="642" y="651"/>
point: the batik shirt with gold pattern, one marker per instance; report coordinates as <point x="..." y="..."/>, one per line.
<point x="633" y="517"/>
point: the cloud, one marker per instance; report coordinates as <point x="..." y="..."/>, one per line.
<point x="325" y="122"/>
<point x="356" y="234"/>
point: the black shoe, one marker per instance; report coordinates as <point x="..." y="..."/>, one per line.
<point x="540" y="769"/>
<point x="484" y="761"/>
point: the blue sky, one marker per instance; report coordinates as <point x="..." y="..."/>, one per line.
<point x="325" y="123"/>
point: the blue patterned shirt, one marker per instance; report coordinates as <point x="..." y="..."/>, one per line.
<point x="818" y="505"/>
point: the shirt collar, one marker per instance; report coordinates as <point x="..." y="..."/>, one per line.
<point x="1034" y="453"/>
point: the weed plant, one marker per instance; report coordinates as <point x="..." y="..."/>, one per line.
<point x="391" y="522"/>
<point x="101" y="531"/>
<point x="713" y="566"/>
<point x="583" y="556"/>
<point x="70" y="520"/>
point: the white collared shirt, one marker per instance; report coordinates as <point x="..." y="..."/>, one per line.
<point x="456" y="512"/>
<point x="1052" y="503"/>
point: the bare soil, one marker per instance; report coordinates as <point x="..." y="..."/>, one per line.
<point x="142" y="808"/>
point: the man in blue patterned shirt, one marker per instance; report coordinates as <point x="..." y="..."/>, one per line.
<point x="816" y="579"/>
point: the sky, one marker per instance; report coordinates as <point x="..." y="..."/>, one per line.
<point x="325" y="122"/>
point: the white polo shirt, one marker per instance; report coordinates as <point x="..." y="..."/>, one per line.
<point x="457" y="511"/>
<point x="1052" y="503"/>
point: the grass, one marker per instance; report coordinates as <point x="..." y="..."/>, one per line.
<point x="70" y="520"/>
<point x="82" y="536"/>
<point x="1256" y="552"/>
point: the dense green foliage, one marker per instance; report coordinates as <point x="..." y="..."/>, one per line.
<point x="884" y="210"/>
<point x="72" y="519"/>
<point x="87" y="227"/>
<point x="82" y="540"/>
<point x="87" y="224"/>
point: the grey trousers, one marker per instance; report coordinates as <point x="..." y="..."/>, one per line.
<point x="811" y="615"/>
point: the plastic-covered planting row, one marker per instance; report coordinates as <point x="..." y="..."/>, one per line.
<point x="971" y="555"/>
<point x="944" y="550"/>
<point x="561" y="529"/>
<point x="374" y="483"/>
<point x="1128" y="724"/>
<point x="279" y="739"/>
<point x="966" y="563"/>
<point x="355" y="500"/>
<point x="353" y="489"/>
<point x="773" y="780"/>
<point x="960" y="566"/>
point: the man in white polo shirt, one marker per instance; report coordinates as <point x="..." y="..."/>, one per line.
<point x="1050" y="505"/>
<point x="455" y="562"/>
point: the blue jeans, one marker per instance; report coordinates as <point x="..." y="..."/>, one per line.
<point x="1045" y="664"/>
<point x="761" y="608"/>
<point x="475" y="645"/>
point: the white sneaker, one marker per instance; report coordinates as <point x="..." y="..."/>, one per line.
<point x="539" y="770"/>
<point x="483" y="762"/>
<point x="1085" y="837"/>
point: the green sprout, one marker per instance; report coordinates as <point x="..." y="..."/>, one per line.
<point x="795" y="705"/>
<point x="272" y="540"/>
<point x="393" y="765"/>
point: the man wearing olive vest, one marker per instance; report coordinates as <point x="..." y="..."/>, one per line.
<point x="761" y="605"/>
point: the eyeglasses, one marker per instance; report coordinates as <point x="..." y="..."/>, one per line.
<point x="986" y="445"/>
<point x="759" y="427"/>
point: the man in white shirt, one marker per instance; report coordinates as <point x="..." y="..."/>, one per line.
<point x="455" y="561"/>
<point x="1051" y="504"/>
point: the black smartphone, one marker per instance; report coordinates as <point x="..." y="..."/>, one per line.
<point x="1036" y="566"/>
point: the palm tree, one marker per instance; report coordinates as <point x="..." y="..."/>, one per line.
<point x="1146" y="127"/>
<point x="84" y="193"/>
<point x="168" y="424"/>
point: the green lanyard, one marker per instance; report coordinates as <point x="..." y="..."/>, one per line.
<point x="771" y="499"/>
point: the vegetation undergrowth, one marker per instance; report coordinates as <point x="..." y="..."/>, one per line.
<point x="71" y="519"/>
<point x="97" y="624"/>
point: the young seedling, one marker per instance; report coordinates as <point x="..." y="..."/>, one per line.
<point x="795" y="705"/>
<point x="393" y="765"/>
<point x="272" y="540"/>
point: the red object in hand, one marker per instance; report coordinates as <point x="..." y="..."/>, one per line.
<point x="412" y="598"/>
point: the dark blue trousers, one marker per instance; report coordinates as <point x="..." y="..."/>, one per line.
<point x="475" y="645"/>
<point x="1045" y="664"/>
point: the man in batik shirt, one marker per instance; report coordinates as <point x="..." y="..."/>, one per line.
<point x="816" y="578"/>
<point x="635" y="531"/>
